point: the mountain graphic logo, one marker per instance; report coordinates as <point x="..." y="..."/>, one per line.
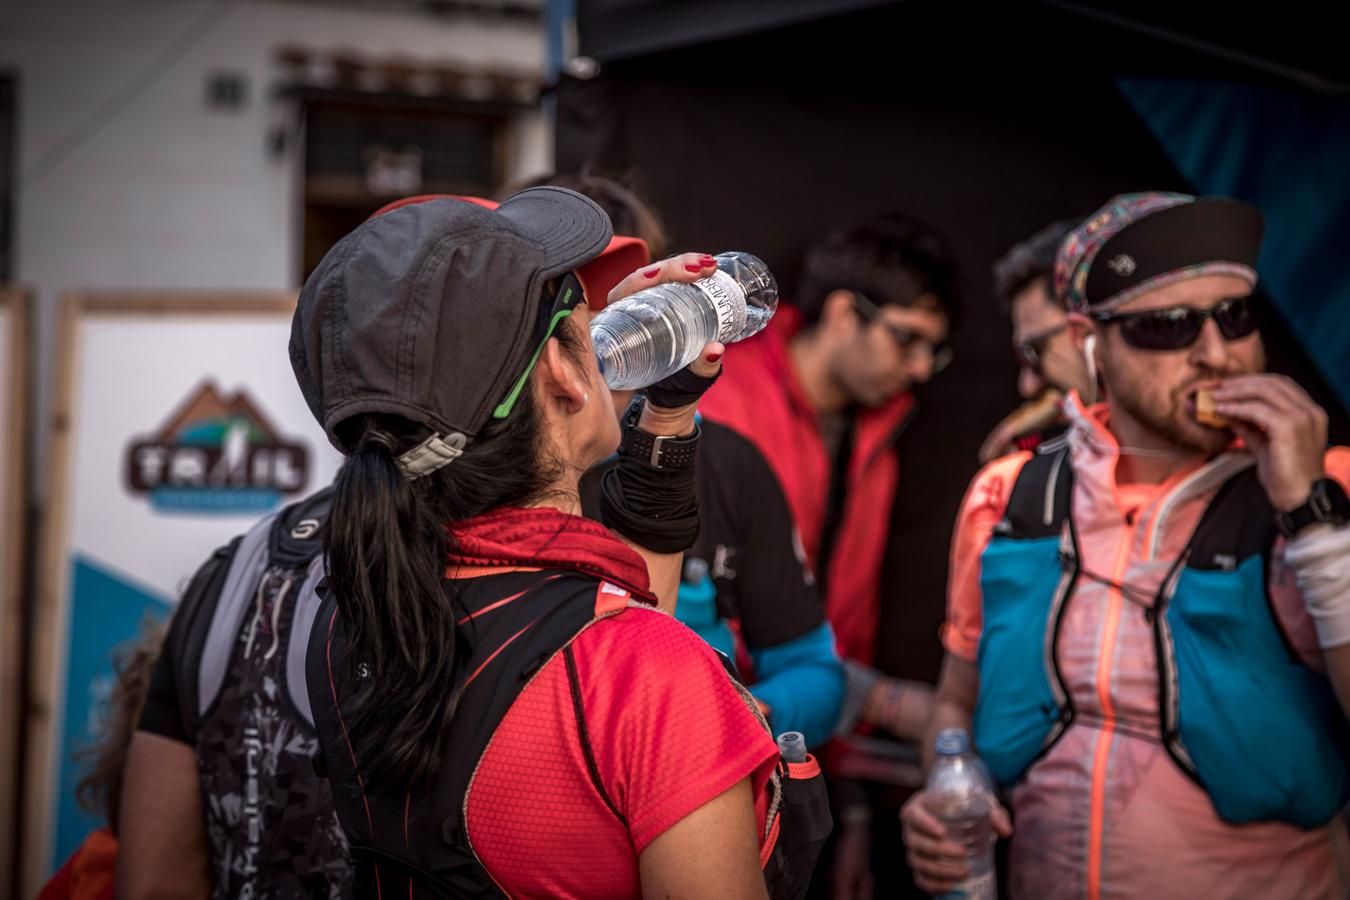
<point x="217" y="452"/>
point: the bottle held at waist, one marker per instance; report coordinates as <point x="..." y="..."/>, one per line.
<point x="959" y="792"/>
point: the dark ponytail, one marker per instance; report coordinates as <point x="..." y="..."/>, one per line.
<point x="387" y="544"/>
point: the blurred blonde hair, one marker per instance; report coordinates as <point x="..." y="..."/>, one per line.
<point x="100" y="791"/>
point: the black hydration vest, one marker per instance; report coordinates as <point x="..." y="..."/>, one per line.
<point x="270" y="821"/>
<point x="417" y="845"/>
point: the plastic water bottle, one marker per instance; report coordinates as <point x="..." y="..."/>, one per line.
<point x="697" y="607"/>
<point x="660" y="330"/>
<point x="959" y="793"/>
<point x="792" y="746"/>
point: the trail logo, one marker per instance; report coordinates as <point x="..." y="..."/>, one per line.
<point x="216" y="454"/>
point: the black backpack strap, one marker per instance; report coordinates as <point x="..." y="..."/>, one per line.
<point x="297" y="531"/>
<point x="296" y="542"/>
<point x="1042" y="497"/>
<point x="375" y="868"/>
<point x="583" y="734"/>
<point x="192" y="620"/>
<point x="333" y="761"/>
<point x="508" y="645"/>
<point x="542" y="623"/>
<point x="1238" y="523"/>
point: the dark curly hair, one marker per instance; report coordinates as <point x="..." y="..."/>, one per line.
<point x="1029" y="261"/>
<point x="893" y="258"/>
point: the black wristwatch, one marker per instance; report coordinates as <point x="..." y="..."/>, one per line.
<point x="665" y="451"/>
<point x="1327" y="503"/>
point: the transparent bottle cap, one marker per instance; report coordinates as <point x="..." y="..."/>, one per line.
<point x="695" y="570"/>
<point x="792" y="745"/>
<point x="952" y="742"/>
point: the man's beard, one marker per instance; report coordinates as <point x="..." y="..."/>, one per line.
<point x="1164" y="422"/>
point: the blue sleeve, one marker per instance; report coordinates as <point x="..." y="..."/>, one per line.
<point x="802" y="683"/>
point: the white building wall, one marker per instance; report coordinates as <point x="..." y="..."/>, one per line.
<point x="127" y="179"/>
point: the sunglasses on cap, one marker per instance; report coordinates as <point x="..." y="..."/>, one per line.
<point x="568" y="297"/>
<point x="908" y="341"/>
<point x="1031" y="351"/>
<point x="1178" y="327"/>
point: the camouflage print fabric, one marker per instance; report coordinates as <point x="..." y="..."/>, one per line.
<point x="270" y="820"/>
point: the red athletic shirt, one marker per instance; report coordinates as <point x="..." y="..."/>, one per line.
<point x="669" y="733"/>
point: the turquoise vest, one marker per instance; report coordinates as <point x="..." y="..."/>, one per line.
<point x="1240" y="713"/>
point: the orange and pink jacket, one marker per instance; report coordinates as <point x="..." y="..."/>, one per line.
<point x="1106" y="812"/>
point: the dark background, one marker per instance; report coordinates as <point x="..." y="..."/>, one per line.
<point x="987" y="122"/>
<point x="761" y="126"/>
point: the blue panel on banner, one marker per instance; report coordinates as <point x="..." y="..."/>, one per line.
<point x="105" y="612"/>
<point x="1287" y="152"/>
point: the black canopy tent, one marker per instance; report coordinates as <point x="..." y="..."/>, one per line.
<point x="1290" y="46"/>
<point x="989" y="122"/>
<point x="761" y="124"/>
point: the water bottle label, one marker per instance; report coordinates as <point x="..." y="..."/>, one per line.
<point x="728" y="298"/>
<point x="981" y="887"/>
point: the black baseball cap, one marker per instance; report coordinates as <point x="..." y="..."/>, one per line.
<point x="431" y="312"/>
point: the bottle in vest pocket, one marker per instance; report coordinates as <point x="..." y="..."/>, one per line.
<point x="804" y="820"/>
<point x="959" y="793"/>
<point x="792" y="747"/>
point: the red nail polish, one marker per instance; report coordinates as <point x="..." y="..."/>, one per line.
<point x="714" y="357"/>
<point x="693" y="267"/>
<point x="652" y="272"/>
<point x="707" y="260"/>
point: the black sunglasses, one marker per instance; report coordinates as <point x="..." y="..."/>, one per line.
<point x="906" y="340"/>
<point x="1030" y="350"/>
<point x="1177" y="327"/>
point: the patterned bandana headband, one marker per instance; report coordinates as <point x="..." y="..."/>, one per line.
<point x="1150" y="240"/>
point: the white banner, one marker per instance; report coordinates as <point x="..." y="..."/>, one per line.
<point x="183" y="425"/>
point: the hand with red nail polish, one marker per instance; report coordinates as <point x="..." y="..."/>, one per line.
<point x="709" y="362"/>
<point x="673" y="401"/>
<point x="685" y="267"/>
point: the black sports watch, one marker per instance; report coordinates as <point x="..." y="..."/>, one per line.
<point x="664" y="451"/>
<point x="1327" y="502"/>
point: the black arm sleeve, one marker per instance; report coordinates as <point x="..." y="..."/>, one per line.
<point x="171" y="696"/>
<point x="744" y="510"/>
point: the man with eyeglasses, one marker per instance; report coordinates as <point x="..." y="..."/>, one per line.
<point x="1050" y="364"/>
<point x="1149" y="619"/>
<point x="824" y="392"/>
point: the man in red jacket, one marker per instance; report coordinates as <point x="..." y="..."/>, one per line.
<point x="824" y="392"/>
